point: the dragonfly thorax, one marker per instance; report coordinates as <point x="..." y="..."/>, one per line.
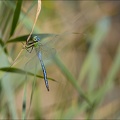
<point x="36" y="39"/>
<point x="32" y="43"/>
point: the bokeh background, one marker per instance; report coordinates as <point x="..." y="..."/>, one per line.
<point x="85" y="72"/>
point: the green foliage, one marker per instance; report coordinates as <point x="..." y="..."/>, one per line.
<point x="16" y="17"/>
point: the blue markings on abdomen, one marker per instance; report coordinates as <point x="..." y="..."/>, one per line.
<point x="44" y="70"/>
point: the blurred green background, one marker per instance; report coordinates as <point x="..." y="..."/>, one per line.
<point x="84" y="76"/>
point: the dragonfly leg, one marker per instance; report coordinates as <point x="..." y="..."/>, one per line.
<point x="30" y="49"/>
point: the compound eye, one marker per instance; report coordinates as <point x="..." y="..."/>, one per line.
<point x="36" y="38"/>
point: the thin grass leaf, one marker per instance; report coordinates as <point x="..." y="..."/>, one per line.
<point x="74" y="111"/>
<point x="6" y="14"/>
<point x="102" y="28"/>
<point x="2" y="45"/>
<point x="33" y="88"/>
<point x="16" y="16"/>
<point x="24" y="102"/>
<point x="38" y="115"/>
<point x="24" y="38"/>
<point x="110" y="77"/>
<point x="93" y="74"/>
<point x="7" y="89"/>
<point x="20" y="71"/>
<point x="26" y="22"/>
<point x="31" y="96"/>
<point x="109" y="82"/>
<point x="1" y="42"/>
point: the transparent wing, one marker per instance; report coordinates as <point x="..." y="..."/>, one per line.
<point x="59" y="41"/>
<point x="32" y="64"/>
<point x="53" y="40"/>
<point x="46" y="51"/>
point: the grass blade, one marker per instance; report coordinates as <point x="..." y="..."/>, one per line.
<point x="24" y="103"/>
<point x="20" y="71"/>
<point x="2" y="44"/>
<point x="16" y="17"/>
<point x="24" y="38"/>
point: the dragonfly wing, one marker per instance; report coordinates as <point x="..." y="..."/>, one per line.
<point x="46" y="51"/>
<point x="31" y="64"/>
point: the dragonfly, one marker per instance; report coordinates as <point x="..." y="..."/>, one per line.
<point x="35" y="43"/>
<point x="43" y="50"/>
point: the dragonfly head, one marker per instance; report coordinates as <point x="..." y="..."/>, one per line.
<point x="36" y="38"/>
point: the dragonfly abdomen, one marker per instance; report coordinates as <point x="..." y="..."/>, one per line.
<point x="44" y="70"/>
